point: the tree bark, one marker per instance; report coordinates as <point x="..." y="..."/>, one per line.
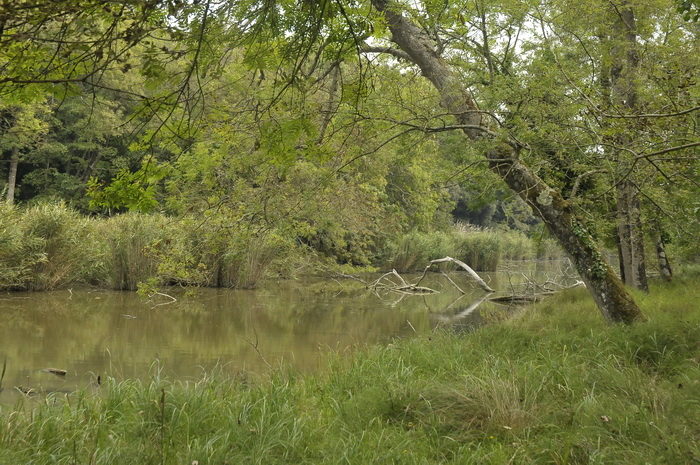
<point x="624" y="68"/>
<point x="630" y="236"/>
<point x="664" y="264"/>
<point x="12" y="177"/>
<point x="613" y="300"/>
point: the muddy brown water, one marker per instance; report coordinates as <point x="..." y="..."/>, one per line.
<point x="90" y="333"/>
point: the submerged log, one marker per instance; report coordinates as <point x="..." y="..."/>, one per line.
<point x="532" y="297"/>
<point x="55" y="371"/>
<point x="520" y="299"/>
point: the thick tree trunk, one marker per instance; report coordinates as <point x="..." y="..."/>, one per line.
<point x="606" y="288"/>
<point x="12" y="177"/>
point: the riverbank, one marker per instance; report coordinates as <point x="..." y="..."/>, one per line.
<point x="553" y="385"/>
<point x="49" y="246"/>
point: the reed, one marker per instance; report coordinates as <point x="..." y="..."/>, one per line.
<point x="128" y="242"/>
<point x="45" y="246"/>
<point x="482" y="249"/>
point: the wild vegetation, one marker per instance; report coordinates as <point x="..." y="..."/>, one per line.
<point x="49" y="246"/>
<point x="553" y="385"/>
<point x="343" y="128"/>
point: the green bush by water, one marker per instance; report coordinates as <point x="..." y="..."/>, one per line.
<point x="45" y="246"/>
<point x="50" y="246"/>
<point x="554" y="385"/>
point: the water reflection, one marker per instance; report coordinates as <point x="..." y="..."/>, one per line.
<point x="119" y="334"/>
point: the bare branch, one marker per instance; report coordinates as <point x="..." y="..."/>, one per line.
<point x="388" y="50"/>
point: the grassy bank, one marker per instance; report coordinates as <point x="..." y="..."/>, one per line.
<point x="482" y="248"/>
<point x="553" y="385"/>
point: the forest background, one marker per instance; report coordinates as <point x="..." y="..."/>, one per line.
<point x="214" y="143"/>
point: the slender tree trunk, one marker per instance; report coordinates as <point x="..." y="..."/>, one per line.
<point x="630" y="237"/>
<point x="664" y="264"/>
<point x="327" y="110"/>
<point x="607" y="290"/>
<point x="624" y="69"/>
<point x="95" y="158"/>
<point x="12" y="177"/>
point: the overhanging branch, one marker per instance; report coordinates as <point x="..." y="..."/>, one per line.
<point x="388" y="50"/>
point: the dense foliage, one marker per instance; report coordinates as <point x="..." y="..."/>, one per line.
<point x="299" y="123"/>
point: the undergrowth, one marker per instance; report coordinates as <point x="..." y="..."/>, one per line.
<point x="555" y="384"/>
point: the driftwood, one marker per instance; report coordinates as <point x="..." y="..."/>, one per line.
<point x="55" y="371"/>
<point x="402" y="286"/>
<point x="534" y="292"/>
<point x="385" y="283"/>
<point x="465" y="267"/>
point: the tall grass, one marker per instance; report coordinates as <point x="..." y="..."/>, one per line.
<point x="44" y="247"/>
<point x="482" y="249"/>
<point x="128" y="241"/>
<point x="554" y="385"/>
<point x="49" y="246"/>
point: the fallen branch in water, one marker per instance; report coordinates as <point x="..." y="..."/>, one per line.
<point x="162" y="303"/>
<point x="529" y="298"/>
<point x="414" y="288"/>
<point x="462" y="265"/>
<point x="401" y="286"/>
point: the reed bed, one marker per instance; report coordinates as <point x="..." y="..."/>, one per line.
<point x="483" y="249"/>
<point x="49" y="246"/>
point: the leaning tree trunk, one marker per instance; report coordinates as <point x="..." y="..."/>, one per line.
<point x="607" y="290"/>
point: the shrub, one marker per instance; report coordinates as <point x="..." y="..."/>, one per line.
<point x="45" y="247"/>
<point x="128" y="242"/>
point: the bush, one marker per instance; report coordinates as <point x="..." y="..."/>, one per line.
<point x="45" y="247"/>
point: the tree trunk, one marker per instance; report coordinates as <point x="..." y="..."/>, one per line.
<point x="95" y="158"/>
<point x="624" y="58"/>
<point x="607" y="290"/>
<point x="630" y="236"/>
<point x="12" y="177"/>
<point x="664" y="265"/>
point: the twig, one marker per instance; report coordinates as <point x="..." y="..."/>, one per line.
<point x="162" y="303"/>
<point x="409" y="324"/>
<point x="453" y="283"/>
<point x="255" y="346"/>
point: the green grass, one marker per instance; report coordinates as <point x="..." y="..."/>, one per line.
<point x="553" y="385"/>
<point x="482" y="249"/>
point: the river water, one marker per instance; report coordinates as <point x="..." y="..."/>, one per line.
<point x="90" y="333"/>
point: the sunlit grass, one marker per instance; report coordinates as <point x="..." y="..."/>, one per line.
<point x="555" y="384"/>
